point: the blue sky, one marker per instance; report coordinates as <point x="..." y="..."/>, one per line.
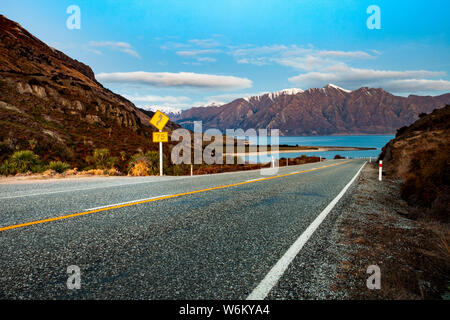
<point x="188" y="53"/>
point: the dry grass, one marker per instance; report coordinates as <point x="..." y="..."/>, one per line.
<point x="139" y="169"/>
<point x="413" y="255"/>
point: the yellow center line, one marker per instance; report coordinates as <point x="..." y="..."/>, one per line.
<point x="26" y="224"/>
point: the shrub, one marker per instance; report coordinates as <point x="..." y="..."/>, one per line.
<point x="338" y="157"/>
<point x="101" y="159"/>
<point x="24" y="161"/>
<point x="6" y="168"/>
<point x="428" y="181"/>
<point x="144" y="164"/>
<point x="58" y="166"/>
<point x="113" y="172"/>
<point x="39" y="168"/>
<point x="139" y="169"/>
<point x="178" y="170"/>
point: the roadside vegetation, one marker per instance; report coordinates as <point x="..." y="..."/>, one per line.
<point x="418" y="161"/>
<point x="420" y="157"/>
<point x="101" y="162"/>
<point x="428" y="183"/>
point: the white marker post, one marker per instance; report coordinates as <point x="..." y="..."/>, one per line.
<point x="160" y="157"/>
<point x="380" y="173"/>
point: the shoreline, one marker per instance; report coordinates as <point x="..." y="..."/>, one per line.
<point x="316" y="149"/>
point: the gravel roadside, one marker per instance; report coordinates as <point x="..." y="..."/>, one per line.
<point x="370" y="225"/>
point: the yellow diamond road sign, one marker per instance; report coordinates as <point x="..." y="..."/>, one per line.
<point x="159" y="120"/>
<point x="160" y="136"/>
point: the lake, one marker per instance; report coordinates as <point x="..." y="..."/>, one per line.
<point x="366" y="141"/>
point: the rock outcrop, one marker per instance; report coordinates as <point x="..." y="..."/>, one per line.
<point x="56" y="101"/>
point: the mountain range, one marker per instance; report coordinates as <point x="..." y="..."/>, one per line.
<point x="53" y="104"/>
<point x="330" y="110"/>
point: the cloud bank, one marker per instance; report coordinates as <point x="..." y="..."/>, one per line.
<point x="180" y="79"/>
<point x="320" y="67"/>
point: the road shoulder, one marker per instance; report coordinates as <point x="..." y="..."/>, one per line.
<point x="370" y="226"/>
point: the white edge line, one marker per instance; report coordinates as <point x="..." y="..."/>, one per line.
<point x="118" y="204"/>
<point x="272" y="277"/>
<point x="254" y="179"/>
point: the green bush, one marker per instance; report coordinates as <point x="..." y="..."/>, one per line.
<point x="38" y="168"/>
<point x="24" y="161"/>
<point x="101" y="159"/>
<point x="177" y="170"/>
<point x="58" y="166"/>
<point x="21" y="162"/>
<point x="6" y="168"/>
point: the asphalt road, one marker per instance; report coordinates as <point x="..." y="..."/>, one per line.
<point x="210" y="244"/>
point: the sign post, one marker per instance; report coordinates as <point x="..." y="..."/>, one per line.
<point x="159" y="121"/>
<point x="160" y="157"/>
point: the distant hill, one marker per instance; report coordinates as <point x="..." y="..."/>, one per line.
<point x="56" y="101"/>
<point x="326" y="111"/>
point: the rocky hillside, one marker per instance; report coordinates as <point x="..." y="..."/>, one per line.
<point x="325" y="111"/>
<point x="53" y="104"/>
<point x="420" y="156"/>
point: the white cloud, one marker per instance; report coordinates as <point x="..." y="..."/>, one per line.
<point x="417" y="85"/>
<point x="121" y="46"/>
<point x="294" y="56"/>
<point x="191" y="53"/>
<point x="110" y="44"/>
<point x="131" y="52"/>
<point x="97" y="52"/>
<point x="345" y="54"/>
<point x="205" y="43"/>
<point x="332" y="66"/>
<point x="347" y="74"/>
<point x="206" y="59"/>
<point x="159" y="99"/>
<point x="181" y="79"/>
<point x="394" y="81"/>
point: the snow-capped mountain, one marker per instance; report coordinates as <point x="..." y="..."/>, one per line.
<point x="274" y="95"/>
<point x="316" y="111"/>
<point x="165" y="110"/>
